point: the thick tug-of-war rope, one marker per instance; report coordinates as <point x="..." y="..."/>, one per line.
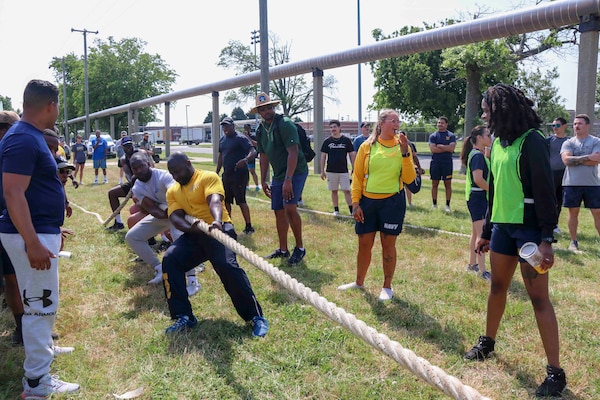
<point x="431" y="374"/>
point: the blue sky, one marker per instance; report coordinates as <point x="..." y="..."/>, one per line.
<point x="189" y="36"/>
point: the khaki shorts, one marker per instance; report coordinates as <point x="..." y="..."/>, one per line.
<point x="337" y="180"/>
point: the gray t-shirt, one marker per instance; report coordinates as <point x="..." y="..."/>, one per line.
<point x="556" y="161"/>
<point x="156" y="187"/>
<point x="581" y="175"/>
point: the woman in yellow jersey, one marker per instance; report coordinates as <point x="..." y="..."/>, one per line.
<point x="522" y="208"/>
<point x="383" y="164"/>
<point x="474" y="157"/>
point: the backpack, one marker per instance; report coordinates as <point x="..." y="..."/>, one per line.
<point x="309" y="153"/>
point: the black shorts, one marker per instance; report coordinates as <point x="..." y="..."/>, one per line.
<point x="119" y="163"/>
<point x="440" y="170"/>
<point x="383" y="215"/>
<point x="6" y="268"/>
<point x="235" y="184"/>
<point x="477" y="205"/>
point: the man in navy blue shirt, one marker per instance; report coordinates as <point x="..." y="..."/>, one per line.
<point x="30" y="231"/>
<point x="235" y="153"/>
<point x="442" y="144"/>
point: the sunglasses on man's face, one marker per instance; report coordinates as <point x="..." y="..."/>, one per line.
<point x="556" y="125"/>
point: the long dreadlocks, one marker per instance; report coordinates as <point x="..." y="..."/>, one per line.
<point x="511" y="112"/>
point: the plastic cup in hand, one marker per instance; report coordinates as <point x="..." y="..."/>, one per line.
<point x="530" y="253"/>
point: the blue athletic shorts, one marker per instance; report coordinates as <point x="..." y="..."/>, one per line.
<point x="508" y="238"/>
<point x="100" y="163"/>
<point x="440" y="170"/>
<point x="277" y="201"/>
<point x="383" y="215"/>
<point x="477" y="205"/>
<point x="573" y="195"/>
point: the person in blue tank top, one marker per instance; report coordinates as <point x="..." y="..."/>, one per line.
<point x="522" y="208"/>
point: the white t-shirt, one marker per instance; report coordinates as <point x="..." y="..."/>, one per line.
<point x="581" y="175"/>
<point x="156" y="187"/>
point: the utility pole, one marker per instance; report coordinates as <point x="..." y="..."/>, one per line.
<point x="255" y="39"/>
<point x="85" y="73"/>
<point x="359" y="70"/>
<point x="67" y="136"/>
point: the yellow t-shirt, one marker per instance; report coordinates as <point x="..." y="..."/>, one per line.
<point x="61" y="152"/>
<point x="191" y="198"/>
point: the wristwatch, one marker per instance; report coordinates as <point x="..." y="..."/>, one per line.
<point x="407" y="154"/>
<point x="548" y="239"/>
<point x="287" y="178"/>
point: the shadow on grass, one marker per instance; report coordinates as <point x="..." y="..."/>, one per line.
<point x="401" y="315"/>
<point x="214" y="340"/>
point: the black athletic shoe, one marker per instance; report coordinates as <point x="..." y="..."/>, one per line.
<point x="297" y="256"/>
<point x="482" y="349"/>
<point x="17" y="338"/>
<point x="278" y="254"/>
<point x="554" y="383"/>
<point x="249" y="230"/>
<point x="116" y="227"/>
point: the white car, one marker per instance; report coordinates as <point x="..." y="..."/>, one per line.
<point x="112" y="151"/>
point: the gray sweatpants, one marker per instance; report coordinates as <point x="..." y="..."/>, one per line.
<point x="39" y="294"/>
<point x="149" y="226"/>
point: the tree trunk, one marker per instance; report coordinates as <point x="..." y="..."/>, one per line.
<point x="473" y="98"/>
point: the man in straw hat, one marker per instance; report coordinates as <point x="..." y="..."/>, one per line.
<point x="278" y="145"/>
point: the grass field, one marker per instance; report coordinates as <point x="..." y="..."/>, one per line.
<point x="116" y="321"/>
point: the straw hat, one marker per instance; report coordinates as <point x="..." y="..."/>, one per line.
<point x="263" y="99"/>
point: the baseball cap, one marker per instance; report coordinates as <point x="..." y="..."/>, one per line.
<point x="8" y="117"/>
<point x="126" y="140"/>
<point x="62" y="163"/>
<point x="227" y="121"/>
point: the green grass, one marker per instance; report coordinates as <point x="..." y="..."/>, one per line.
<point x="116" y="322"/>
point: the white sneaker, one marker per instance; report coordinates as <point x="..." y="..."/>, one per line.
<point x="349" y="286"/>
<point x="301" y="203"/>
<point x="158" y="277"/>
<point x="557" y="231"/>
<point x="336" y="213"/>
<point x="200" y="268"/>
<point x="434" y="207"/>
<point x="447" y="209"/>
<point x="62" y="350"/>
<point x="105" y="180"/>
<point x="386" y="294"/>
<point x="47" y="386"/>
<point x="95" y="181"/>
<point x="193" y="288"/>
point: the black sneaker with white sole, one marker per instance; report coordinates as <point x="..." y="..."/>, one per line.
<point x="297" y="256"/>
<point x="554" y="384"/>
<point x="482" y="350"/>
<point x="278" y="254"/>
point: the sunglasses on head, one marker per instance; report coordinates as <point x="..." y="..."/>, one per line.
<point x="556" y="125"/>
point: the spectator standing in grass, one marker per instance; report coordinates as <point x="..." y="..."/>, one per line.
<point x="79" y="157"/>
<point x="335" y="151"/>
<point x="581" y="155"/>
<point x="278" y="144"/>
<point x="365" y="130"/>
<point x="30" y="232"/>
<point x="100" y="147"/>
<point x="442" y="144"/>
<point x="522" y="208"/>
<point x="474" y="157"/>
<point x="200" y="194"/>
<point x="235" y="151"/>
<point x="120" y="153"/>
<point x="252" y="163"/>
<point x="555" y="141"/>
<point x="383" y="164"/>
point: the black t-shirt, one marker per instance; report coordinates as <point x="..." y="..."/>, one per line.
<point x="337" y="151"/>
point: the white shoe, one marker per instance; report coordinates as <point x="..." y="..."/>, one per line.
<point x="349" y="286"/>
<point x="557" y="231"/>
<point x="301" y="203"/>
<point x="193" y="288"/>
<point x="158" y="277"/>
<point x="47" y="386"/>
<point x="447" y="209"/>
<point x="200" y="268"/>
<point x="62" y="350"/>
<point x="434" y="206"/>
<point x="336" y="213"/>
<point x="386" y="294"/>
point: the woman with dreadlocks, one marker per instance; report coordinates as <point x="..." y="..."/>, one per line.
<point x="522" y="208"/>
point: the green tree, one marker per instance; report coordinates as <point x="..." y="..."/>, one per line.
<point x="238" y="114"/>
<point x="540" y="89"/>
<point x="6" y="103"/>
<point x="208" y="118"/>
<point x="294" y="92"/>
<point x="119" y="72"/>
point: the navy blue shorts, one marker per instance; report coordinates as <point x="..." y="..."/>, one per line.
<point x="574" y="195"/>
<point x="277" y="201"/>
<point x="477" y="205"/>
<point x="440" y="170"/>
<point x="507" y="239"/>
<point x="384" y="215"/>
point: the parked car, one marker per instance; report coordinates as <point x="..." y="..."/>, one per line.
<point x="112" y="151"/>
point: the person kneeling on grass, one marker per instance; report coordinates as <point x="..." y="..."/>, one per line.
<point x="200" y="194"/>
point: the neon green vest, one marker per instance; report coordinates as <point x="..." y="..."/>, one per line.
<point x="387" y="161"/>
<point x="509" y="199"/>
<point x="469" y="184"/>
